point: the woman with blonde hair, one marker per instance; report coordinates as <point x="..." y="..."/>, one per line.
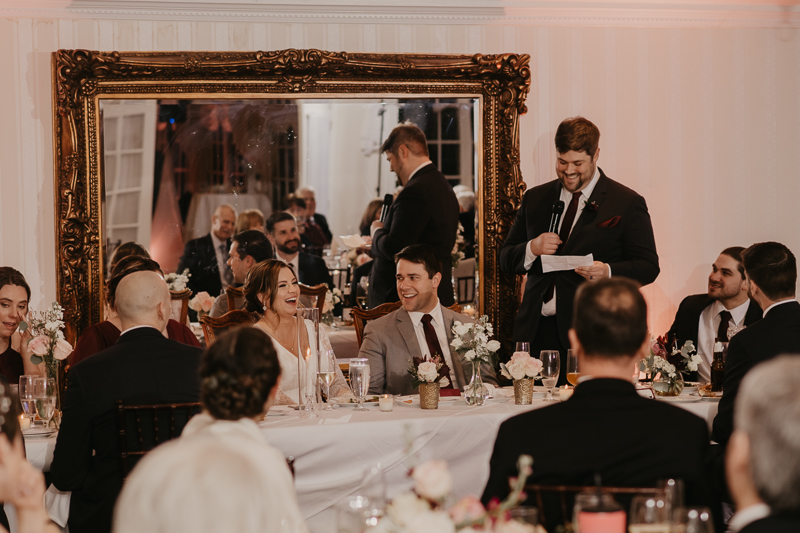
<point x="271" y="291"/>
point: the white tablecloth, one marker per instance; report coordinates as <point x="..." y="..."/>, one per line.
<point x="332" y="452"/>
<point x="40" y="452"/>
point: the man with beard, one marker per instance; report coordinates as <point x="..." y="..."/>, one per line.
<point x="601" y="217"/>
<point x="703" y="317"/>
<point x="282" y="231"/>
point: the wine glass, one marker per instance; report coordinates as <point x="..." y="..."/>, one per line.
<point x="522" y="347"/>
<point x="26" y="390"/>
<point x="359" y="380"/>
<point x="327" y="373"/>
<point x="45" y="397"/>
<point x="572" y="367"/>
<point x="693" y="520"/>
<point x="551" y="366"/>
<point x="650" y="514"/>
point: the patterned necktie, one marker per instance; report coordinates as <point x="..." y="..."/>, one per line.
<point x="724" y="322"/>
<point x="566" y="228"/>
<point x="227" y="275"/>
<point x="433" y="344"/>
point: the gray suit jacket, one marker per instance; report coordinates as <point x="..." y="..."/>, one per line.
<point x="390" y="343"/>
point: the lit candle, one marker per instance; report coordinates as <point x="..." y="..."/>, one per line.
<point x="565" y="392"/>
<point x="385" y="402"/>
<point x="24" y="422"/>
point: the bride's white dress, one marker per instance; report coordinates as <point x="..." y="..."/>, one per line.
<point x="288" y="393"/>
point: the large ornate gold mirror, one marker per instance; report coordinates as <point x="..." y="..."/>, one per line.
<point x="143" y="148"/>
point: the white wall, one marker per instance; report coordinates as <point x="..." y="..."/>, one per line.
<point x="703" y="121"/>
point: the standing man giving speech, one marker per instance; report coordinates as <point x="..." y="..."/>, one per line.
<point x="600" y="217"/>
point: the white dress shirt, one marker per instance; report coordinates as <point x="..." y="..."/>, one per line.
<point x="549" y="308"/>
<point x="776" y="304"/>
<point x="294" y="262"/>
<point x="747" y="516"/>
<point x="707" y="329"/>
<point x="220" y="259"/>
<point x="438" y="325"/>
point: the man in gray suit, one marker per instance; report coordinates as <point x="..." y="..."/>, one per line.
<point x="422" y="326"/>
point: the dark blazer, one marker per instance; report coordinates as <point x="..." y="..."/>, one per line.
<point x="777" y="523"/>
<point x="618" y="232"/>
<point x="200" y="258"/>
<point x="605" y="428"/>
<point x="313" y="270"/>
<point x="687" y="321"/>
<point x="425" y="212"/>
<point x="143" y="367"/>
<point x="322" y="222"/>
<point x="777" y="333"/>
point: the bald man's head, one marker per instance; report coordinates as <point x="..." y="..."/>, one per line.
<point x="143" y="299"/>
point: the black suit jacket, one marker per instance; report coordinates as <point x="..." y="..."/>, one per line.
<point x="322" y="222"/>
<point x="625" y="243"/>
<point x="200" y="258"/>
<point x="425" y="212"/>
<point x="606" y="427"/>
<point x="313" y="270"/>
<point x="777" y="333"/>
<point x="777" y="523"/>
<point x="143" y="367"/>
<point x="687" y="321"/>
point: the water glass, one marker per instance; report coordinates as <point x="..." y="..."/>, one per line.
<point x="327" y="373"/>
<point x="551" y="367"/>
<point x="572" y="367"/>
<point x="45" y="398"/>
<point x="673" y="490"/>
<point x="522" y="347"/>
<point x="693" y="520"/>
<point x="355" y="514"/>
<point x="26" y="390"/>
<point x="650" y="514"/>
<point x="359" y="380"/>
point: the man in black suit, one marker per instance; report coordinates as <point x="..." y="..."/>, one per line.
<point x="314" y="219"/>
<point x="282" y="232"/>
<point x="206" y="257"/>
<point x="771" y="271"/>
<point x="601" y="217"/>
<point x="763" y="459"/>
<point x="605" y="428"/>
<point x="425" y="212"/>
<point x="700" y="316"/>
<point x="143" y="367"/>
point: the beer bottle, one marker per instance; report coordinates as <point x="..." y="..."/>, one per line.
<point x="717" y="367"/>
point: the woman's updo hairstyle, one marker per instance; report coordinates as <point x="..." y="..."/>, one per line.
<point x="237" y="373"/>
<point x="126" y="250"/>
<point x="125" y="266"/>
<point x="263" y="278"/>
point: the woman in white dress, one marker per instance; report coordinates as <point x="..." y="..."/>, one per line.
<point x="271" y="291"/>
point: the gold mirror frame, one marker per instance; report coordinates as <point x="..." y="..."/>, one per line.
<point x="83" y="77"/>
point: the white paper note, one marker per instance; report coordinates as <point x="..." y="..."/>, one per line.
<point x="554" y="263"/>
<point x="351" y="241"/>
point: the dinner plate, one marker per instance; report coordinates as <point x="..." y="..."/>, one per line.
<point x="679" y="399"/>
<point x="348" y="405"/>
<point x="38" y="433"/>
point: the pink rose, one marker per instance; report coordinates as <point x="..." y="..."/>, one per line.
<point x="427" y="371"/>
<point x="532" y="367"/>
<point x="206" y="301"/>
<point x="62" y="349"/>
<point x="40" y="345"/>
<point x="517" y="356"/>
<point x="432" y="480"/>
<point x="468" y="509"/>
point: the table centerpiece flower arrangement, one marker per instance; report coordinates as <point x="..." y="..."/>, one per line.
<point x="423" y="509"/>
<point x="177" y="282"/>
<point x="471" y="341"/>
<point x="332" y="298"/>
<point x="429" y="376"/>
<point x="522" y="369"/>
<point x="47" y="341"/>
<point x="665" y="365"/>
<point x="202" y="303"/>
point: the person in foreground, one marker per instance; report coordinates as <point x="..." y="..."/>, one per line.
<point x="271" y="291"/>
<point x="421" y="327"/>
<point x="703" y="317"/>
<point x="239" y="377"/>
<point x="605" y="427"/>
<point x="143" y="367"/>
<point x="763" y="456"/>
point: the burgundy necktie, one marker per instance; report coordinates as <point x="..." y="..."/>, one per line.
<point x="724" y="322"/>
<point x="433" y="343"/>
<point x="566" y="227"/>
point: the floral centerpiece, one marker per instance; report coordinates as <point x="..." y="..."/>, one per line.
<point x="332" y="298"/>
<point x="423" y="510"/>
<point x="202" y="303"/>
<point x="47" y="339"/>
<point x="522" y="369"/>
<point x="429" y="376"/>
<point x="665" y="366"/>
<point x="471" y="341"/>
<point x="177" y="282"/>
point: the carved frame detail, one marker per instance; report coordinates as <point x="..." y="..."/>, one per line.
<point x="82" y="77"/>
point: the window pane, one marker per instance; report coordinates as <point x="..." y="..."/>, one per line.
<point x="434" y="154"/>
<point x="450" y="159"/>
<point x="126" y="209"/>
<point x="132" y="132"/>
<point x="110" y="172"/>
<point x="130" y="171"/>
<point x="110" y="134"/>
<point x="450" y="124"/>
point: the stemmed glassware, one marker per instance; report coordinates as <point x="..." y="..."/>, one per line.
<point x="551" y="367"/>
<point x="45" y="397"/>
<point x="522" y="347"/>
<point x="359" y="380"/>
<point x="650" y="514"/>
<point x="573" y="374"/>
<point x="26" y="392"/>
<point x="327" y="373"/>
<point x="693" y="520"/>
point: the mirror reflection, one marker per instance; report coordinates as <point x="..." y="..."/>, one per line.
<point x="168" y="165"/>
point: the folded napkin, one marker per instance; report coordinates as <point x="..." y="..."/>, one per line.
<point x="503" y="392"/>
<point x="57" y="505"/>
<point x="338" y="420"/>
<point x="553" y="263"/>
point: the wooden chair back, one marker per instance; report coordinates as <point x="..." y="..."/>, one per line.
<point x="362" y="316"/>
<point x="236" y="317"/>
<point x="140" y="428"/>
<point x="316" y="294"/>
<point x="182" y="296"/>
<point x="234" y="295"/>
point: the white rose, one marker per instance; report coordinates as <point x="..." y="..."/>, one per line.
<point x="52" y="325"/>
<point x="517" y="370"/>
<point x="470" y="355"/>
<point x="427" y="371"/>
<point x="493" y="346"/>
<point x="405" y="507"/>
<point x="461" y="329"/>
<point x="432" y="480"/>
<point x="432" y="522"/>
<point x="457" y="343"/>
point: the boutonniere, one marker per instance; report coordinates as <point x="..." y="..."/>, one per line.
<point x="590" y="206"/>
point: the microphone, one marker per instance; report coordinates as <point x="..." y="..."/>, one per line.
<point x="387" y="203"/>
<point x="558" y="209"/>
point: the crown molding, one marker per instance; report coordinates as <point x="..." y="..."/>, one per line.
<point x="675" y="13"/>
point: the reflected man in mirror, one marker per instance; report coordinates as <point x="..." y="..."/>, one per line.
<point x="284" y="235"/>
<point x="316" y="223"/>
<point x="419" y="328"/>
<point x="247" y="249"/>
<point x="425" y="212"/>
<point x="600" y="217"/>
<point x="207" y="257"/>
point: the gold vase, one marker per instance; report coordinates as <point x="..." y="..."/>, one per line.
<point x="429" y="395"/>
<point x="523" y="391"/>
